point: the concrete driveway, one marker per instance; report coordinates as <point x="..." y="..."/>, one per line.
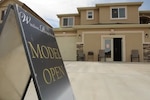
<point x="109" y="81"/>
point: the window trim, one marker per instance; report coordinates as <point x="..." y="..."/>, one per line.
<point x="87" y="14"/>
<point x="118" y="14"/>
<point x="67" y="23"/>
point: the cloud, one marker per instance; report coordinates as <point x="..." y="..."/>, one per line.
<point x="49" y="9"/>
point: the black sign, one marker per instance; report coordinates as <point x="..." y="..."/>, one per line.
<point x="47" y="68"/>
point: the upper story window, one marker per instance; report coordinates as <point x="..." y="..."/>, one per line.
<point x="118" y="13"/>
<point x="90" y="14"/>
<point x="68" y="21"/>
<point x="3" y="14"/>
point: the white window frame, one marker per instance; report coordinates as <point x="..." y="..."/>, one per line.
<point x="87" y="14"/>
<point x="118" y="12"/>
<point x="68" y="22"/>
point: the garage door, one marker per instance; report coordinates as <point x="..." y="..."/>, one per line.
<point x="67" y="46"/>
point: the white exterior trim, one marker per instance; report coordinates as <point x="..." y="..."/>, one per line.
<point x="67" y="23"/>
<point x="92" y="14"/>
<point x="63" y="35"/>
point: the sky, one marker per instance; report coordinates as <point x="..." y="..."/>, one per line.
<point x="48" y="9"/>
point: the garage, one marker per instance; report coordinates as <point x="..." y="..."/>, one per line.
<point x="67" y="46"/>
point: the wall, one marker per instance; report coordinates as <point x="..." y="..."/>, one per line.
<point x="132" y="15"/>
<point x="84" y="20"/>
<point x="133" y="40"/>
<point x="92" y="42"/>
<point x="77" y="20"/>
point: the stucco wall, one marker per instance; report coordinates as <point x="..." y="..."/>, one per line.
<point x="132" y="15"/>
<point x="84" y="20"/>
<point x="134" y="41"/>
<point x="92" y="42"/>
<point x="77" y="20"/>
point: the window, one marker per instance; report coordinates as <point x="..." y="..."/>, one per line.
<point x="118" y="13"/>
<point x="68" y="21"/>
<point x="90" y="14"/>
<point x="108" y="48"/>
<point x="3" y="14"/>
<point x="144" y="20"/>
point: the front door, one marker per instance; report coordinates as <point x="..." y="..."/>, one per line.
<point x="113" y="49"/>
<point x="117" y="46"/>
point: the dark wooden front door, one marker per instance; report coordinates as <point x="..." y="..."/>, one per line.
<point x="117" y="49"/>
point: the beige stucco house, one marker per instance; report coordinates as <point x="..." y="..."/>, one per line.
<point x="116" y="28"/>
<point x="109" y="27"/>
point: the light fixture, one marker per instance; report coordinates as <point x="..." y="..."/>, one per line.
<point x="112" y="32"/>
<point x="64" y="33"/>
<point x="79" y="36"/>
<point x="146" y="35"/>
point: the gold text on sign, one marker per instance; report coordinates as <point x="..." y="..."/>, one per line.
<point x="44" y="52"/>
<point x="50" y="75"/>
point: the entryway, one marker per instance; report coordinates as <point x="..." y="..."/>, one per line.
<point x="114" y="47"/>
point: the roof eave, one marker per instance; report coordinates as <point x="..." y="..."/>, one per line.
<point x="63" y="29"/>
<point x="120" y="4"/>
<point x="64" y="15"/>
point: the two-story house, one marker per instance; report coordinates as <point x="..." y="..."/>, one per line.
<point x="116" y="28"/>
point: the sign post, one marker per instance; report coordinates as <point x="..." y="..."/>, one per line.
<point x="45" y="62"/>
<point x="46" y="65"/>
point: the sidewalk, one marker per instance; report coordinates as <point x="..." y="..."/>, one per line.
<point x="109" y="81"/>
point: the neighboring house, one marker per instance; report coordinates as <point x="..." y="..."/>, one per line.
<point x="5" y="3"/>
<point x="116" y="28"/>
